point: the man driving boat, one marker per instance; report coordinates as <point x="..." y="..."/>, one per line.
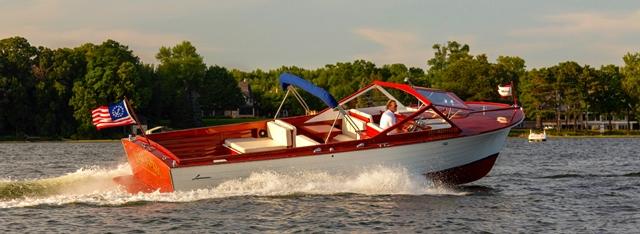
<point x="388" y="118"/>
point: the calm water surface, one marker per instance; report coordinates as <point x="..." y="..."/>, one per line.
<point x="563" y="185"/>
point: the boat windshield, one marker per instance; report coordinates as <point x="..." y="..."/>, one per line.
<point x="440" y="98"/>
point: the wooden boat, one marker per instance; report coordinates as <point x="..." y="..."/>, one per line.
<point x="436" y="135"/>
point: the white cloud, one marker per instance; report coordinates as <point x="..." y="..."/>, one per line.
<point x="397" y="47"/>
<point x="593" y="37"/>
<point x="576" y="23"/>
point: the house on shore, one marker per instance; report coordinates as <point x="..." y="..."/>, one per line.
<point x="247" y="109"/>
<point x="595" y="122"/>
<point x="587" y="122"/>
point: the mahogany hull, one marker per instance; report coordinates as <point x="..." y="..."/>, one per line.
<point x="443" y="138"/>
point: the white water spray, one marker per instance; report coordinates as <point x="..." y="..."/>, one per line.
<point x="95" y="186"/>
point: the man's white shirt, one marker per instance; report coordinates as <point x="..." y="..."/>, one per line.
<point x="388" y="119"/>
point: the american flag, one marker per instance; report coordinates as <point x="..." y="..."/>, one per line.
<point x="504" y="90"/>
<point x="114" y="115"/>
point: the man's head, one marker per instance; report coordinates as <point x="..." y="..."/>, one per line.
<point x="392" y="105"/>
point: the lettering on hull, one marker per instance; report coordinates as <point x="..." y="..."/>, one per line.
<point x="198" y="177"/>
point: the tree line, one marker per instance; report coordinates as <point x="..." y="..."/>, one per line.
<point x="50" y="92"/>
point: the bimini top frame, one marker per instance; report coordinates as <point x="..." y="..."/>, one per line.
<point x="287" y="81"/>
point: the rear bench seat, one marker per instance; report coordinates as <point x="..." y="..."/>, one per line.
<point x="279" y="137"/>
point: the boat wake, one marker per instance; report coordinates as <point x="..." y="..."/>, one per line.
<point x="562" y="176"/>
<point x="94" y="186"/>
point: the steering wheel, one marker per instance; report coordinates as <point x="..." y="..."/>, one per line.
<point x="409" y="127"/>
<point x="415" y="126"/>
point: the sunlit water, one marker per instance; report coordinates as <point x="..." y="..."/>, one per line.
<point x="563" y="185"/>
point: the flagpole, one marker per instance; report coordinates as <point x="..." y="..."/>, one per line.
<point x="513" y="92"/>
<point x="135" y="117"/>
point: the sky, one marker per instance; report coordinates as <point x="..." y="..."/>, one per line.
<point x="266" y="34"/>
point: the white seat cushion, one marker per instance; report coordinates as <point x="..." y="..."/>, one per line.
<point x="279" y="138"/>
<point x="251" y="145"/>
<point x="302" y="141"/>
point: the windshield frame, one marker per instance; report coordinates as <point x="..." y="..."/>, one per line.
<point x="458" y="103"/>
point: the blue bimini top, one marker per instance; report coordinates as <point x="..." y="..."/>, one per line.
<point x="287" y="79"/>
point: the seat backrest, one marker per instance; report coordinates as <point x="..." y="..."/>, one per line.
<point x="349" y="130"/>
<point x="290" y="128"/>
<point x="373" y="129"/>
<point x="279" y="134"/>
<point x="357" y="114"/>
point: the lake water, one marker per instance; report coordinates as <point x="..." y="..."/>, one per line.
<point x="564" y="185"/>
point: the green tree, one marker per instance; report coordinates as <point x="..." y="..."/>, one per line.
<point x="452" y="68"/>
<point x="536" y="94"/>
<point x="610" y="98"/>
<point x="342" y="79"/>
<point x="444" y="56"/>
<point x="16" y="86"/>
<point x="55" y="72"/>
<point x="219" y="91"/>
<point x="569" y="97"/>
<point x="181" y="72"/>
<point x="590" y="82"/>
<point x="631" y="82"/>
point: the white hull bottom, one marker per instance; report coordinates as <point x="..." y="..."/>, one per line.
<point x="417" y="159"/>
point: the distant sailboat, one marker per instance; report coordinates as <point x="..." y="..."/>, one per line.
<point x="535" y="137"/>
